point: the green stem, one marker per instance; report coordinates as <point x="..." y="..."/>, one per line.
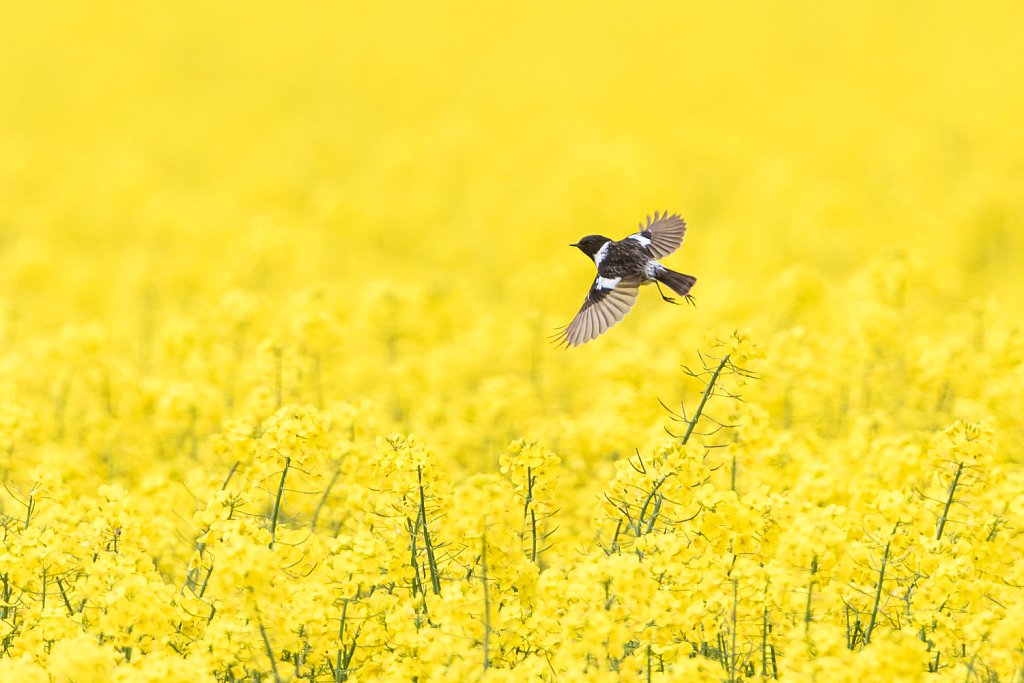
<point x="5" y="595"/>
<point x="810" y="593"/>
<point x="949" y="501"/>
<point x="277" y="501"/>
<point x="732" y="653"/>
<point x="643" y="508"/>
<point x="878" y="596"/>
<point x="29" y="509"/>
<point x="764" y="642"/>
<point x="64" y="596"/>
<point x="270" y="653"/>
<point x="417" y="584"/>
<point x="435" y="580"/>
<point x="704" y="399"/>
<point x="487" y="605"/>
<point x="338" y="675"/>
<point x="533" y="527"/>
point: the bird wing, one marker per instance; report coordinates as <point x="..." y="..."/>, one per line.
<point x="662" y="235"/>
<point x="607" y="302"/>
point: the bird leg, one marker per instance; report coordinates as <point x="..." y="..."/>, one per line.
<point x="666" y="298"/>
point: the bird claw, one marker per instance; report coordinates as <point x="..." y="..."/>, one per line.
<point x="663" y="296"/>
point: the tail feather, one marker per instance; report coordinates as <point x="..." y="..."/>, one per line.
<point x="678" y="282"/>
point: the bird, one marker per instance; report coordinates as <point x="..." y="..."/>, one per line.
<point x="622" y="267"/>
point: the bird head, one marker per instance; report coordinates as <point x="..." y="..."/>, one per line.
<point x="590" y="244"/>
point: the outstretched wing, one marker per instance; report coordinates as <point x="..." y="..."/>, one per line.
<point x="608" y="302"/>
<point x="662" y="235"/>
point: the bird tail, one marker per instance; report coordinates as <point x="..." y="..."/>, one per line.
<point x="678" y="282"/>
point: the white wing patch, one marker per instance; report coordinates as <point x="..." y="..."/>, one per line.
<point x="666" y="233"/>
<point x="606" y="282"/>
<point x="644" y="242"/>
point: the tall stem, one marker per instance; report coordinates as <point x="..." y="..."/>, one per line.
<point x="435" y="580"/>
<point x="487" y="605"/>
<point x="949" y="501"/>
<point x="277" y="501"/>
<point x="704" y="399"/>
<point x="878" y="596"/>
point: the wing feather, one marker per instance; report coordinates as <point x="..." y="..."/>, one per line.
<point x="602" y="309"/>
<point x="665" y="233"/>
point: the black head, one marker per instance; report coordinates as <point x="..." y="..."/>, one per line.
<point x="590" y="244"/>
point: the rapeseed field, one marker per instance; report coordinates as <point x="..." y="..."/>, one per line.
<point x="278" y="400"/>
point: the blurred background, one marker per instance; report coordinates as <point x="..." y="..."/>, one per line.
<point x="407" y="177"/>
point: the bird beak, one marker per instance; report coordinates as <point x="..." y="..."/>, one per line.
<point x="575" y="244"/>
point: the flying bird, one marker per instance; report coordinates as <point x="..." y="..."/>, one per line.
<point x="622" y="267"/>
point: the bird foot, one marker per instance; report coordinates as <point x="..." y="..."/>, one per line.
<point x="666" y="298"/>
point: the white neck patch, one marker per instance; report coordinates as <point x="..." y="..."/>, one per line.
<point x="601" y="253"/>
